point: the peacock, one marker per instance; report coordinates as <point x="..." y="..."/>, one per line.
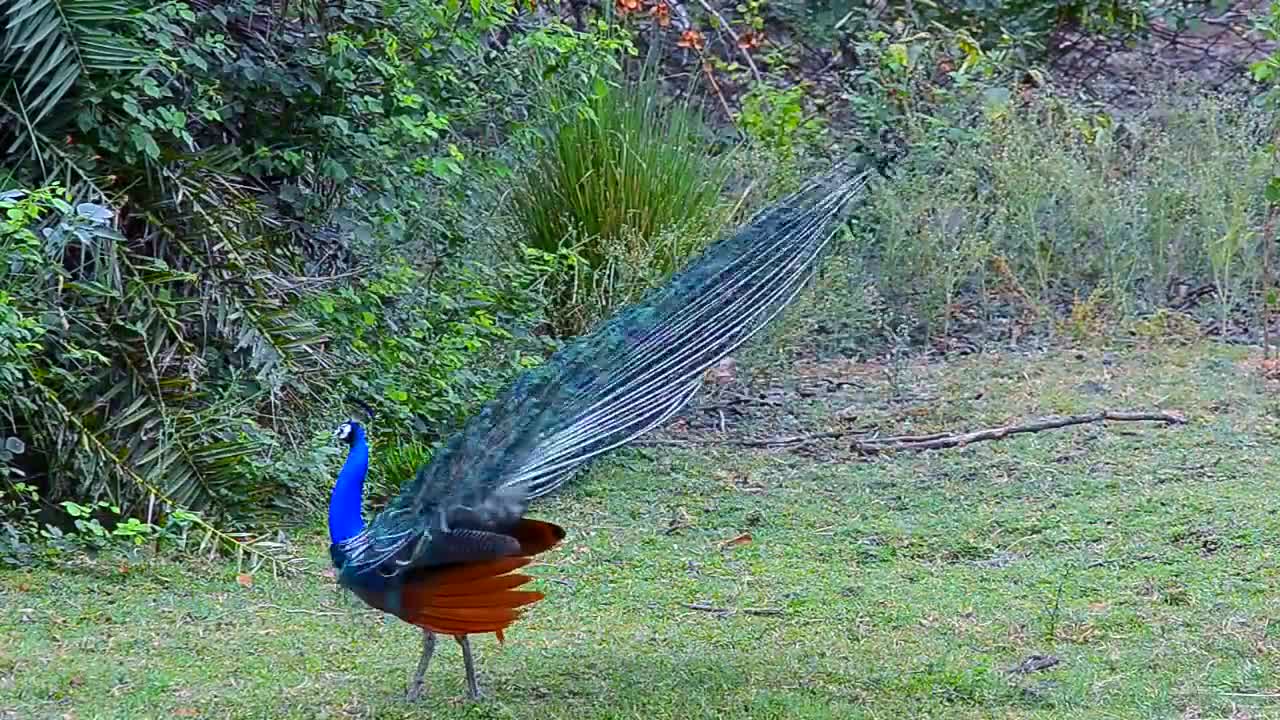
<point x="443" y="554"/>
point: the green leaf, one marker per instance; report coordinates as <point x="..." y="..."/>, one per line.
<point x="898" y="55"/>
<point x="49" y="45"/>
<point x="1272" y="192"/>
<point x="333" y="170"/>
<point x="143" y="141"/>
<point x="1263" y="70"/>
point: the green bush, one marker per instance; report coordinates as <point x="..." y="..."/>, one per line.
<point x="623" y="184"/>
<point x="422" y="349"/>
<point x="247" y="184"/>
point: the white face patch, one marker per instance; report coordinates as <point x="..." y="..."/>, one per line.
<point x="343" y="431"/>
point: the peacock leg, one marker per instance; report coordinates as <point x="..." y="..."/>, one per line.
<point x="473" y="691"/>
<point x="428" y="647"/>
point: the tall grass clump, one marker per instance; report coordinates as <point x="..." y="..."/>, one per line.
<point x="1044" y="207"/>
<point x="624" y="186"/>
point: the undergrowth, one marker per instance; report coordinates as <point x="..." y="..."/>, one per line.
<point x="295" y="206"/>
<point x="1041" y="212"/>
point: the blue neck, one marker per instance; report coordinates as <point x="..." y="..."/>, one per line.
<point x="345" y="519"/>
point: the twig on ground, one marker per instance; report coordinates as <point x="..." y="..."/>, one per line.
<point x="950" y="440"/>
<point x="935" y="441"/>
<point x="725" y="612"/>
<point x="792" y="441"/>
<point x="738" y="401"/>
<point x="299" y="611"/>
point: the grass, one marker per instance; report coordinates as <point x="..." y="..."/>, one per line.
<point x="1142" y="558"/>
<point x="625" y="180"/>
<point x="1060" y="205"/>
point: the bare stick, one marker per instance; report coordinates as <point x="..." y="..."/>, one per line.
<point x="725" y="612"/>
<point x="950" y="440"/>
<point x="706" y="68"/>
<point x="934" y="441"/>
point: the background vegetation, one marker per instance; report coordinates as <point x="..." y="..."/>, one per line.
<point x="228" y="225"/>
<point x="225" y="220"/>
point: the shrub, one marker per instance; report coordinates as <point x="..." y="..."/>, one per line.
<point x="422" y="349"/>
<point x="166" y="345"/>
<point x="623" y="184"/>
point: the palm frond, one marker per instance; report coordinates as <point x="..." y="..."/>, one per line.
<point x="47" y="46"/>
<point x="94" y="453"/>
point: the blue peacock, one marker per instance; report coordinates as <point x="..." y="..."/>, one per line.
<point x="443" y="554"/>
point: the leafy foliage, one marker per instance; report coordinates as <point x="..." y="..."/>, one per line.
<point x="111" y="387"/>
<point x="776" y="119"/>
<point x="1032" y="21"/>
<point x="432" y="348"/>
<point x="261" y="182"/>
<point x="47" y="48"/>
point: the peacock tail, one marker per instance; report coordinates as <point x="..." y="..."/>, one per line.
<point x="630" y="375"/>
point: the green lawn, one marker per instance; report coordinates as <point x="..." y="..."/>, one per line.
<point x="1142" y="558"/>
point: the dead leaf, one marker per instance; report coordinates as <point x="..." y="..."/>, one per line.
<point x="24" y="587"/>
<point x="751" y="40"/>
<point x="691" y="39"/>
<point x="245" y="580"/>
<point x="723" y="372"/>
<point x="329" y="573"/>
<point x="743" y="539"/>
<point x="662" y="13"/>
<point x="1271" y="368"/>
<point x="186" y="712"/>
<point x="680" y="520"/>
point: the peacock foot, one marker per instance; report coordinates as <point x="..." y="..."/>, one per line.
<point x="468" y="662"/>
<point x="420" y="677"/>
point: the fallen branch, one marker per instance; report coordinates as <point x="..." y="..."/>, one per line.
<point x="726" y="612"/>
<point x="950" y="440"/>
<point x="934" y="441"/>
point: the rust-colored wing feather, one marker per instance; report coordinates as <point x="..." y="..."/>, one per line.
<point x="471" y="598"/>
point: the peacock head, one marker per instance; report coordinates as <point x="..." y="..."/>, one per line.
<point x="348" y="432"/>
